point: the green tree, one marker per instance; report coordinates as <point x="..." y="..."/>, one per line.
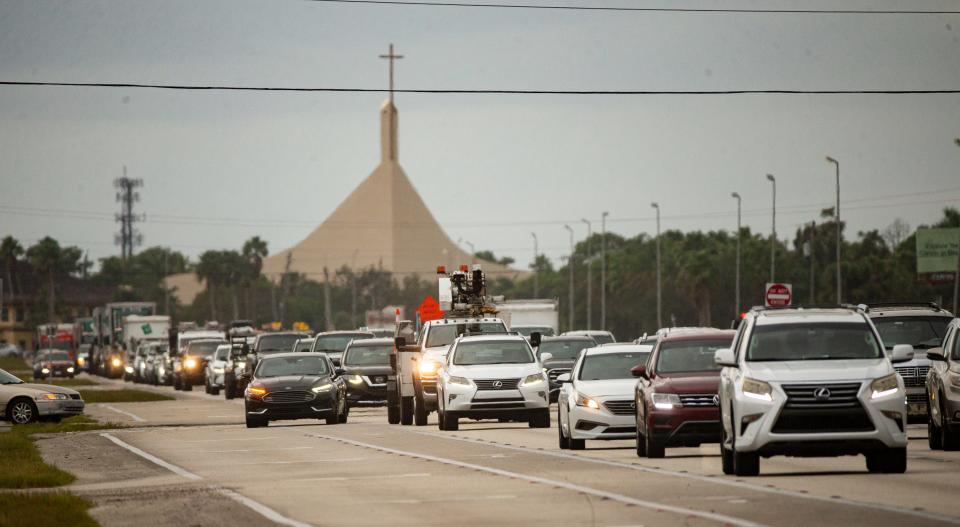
<point x="51" y="262"/>
<point x="10" y="252"/>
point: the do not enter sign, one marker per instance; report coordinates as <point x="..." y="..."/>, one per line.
<point x="778" y="295"/>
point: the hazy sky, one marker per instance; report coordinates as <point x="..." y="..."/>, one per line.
<point x="220" y="167"/>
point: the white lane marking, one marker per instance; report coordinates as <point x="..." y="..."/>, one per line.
<point x="153" y="459"/>
<point x="253" y="450"/>
<point x="260" y="508"/>
<point x="264" y="511"/>
<point x="128" y="414"/>
<point x="379" y="476"/>
<point x="231" y="439"/>
<point x="493" y="497"/>
<point x="656" y="506"/>
<point x="708" y="479"/>
<point x="299" y="462"/>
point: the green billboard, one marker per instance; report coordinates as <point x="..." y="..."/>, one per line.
<point x="937" y="250"/>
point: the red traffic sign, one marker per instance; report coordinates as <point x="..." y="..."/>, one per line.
<point x="778" y="295"/>
<point x="429" y="309"/>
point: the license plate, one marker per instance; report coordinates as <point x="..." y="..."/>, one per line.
<point x="916" y="408"/>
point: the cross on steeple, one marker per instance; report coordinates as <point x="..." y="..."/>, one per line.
<point x="391" y="57"/>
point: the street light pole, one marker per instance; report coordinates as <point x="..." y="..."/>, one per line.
<point x="603" y="270"/>
<point x="536" y="267"/>
<point x="655" y="205"/>
<point x="773" y="235"/>
<point x="837" y="217"/>
<point x="570" y="265"/>
<point x="589" y="262"/>
<point x="956" y="274"/>
<point x="736" y="311"/>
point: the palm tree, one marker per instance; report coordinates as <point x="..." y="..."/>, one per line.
<point x="254" y="250"/>
<point x="10" y="251"/>
<point x="50" y="260"/>
<point x="210" y="269"/>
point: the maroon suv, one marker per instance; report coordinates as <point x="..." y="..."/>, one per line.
<point x="676" y="397"/>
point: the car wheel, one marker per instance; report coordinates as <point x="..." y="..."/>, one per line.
<point x="419" y="408"/>
<point x="22" y="411"/>
<point x="654" y="449"/>
<point x="726" y="456"/>
<point x="578" y="444"/>
<point x="641" y="444"/>
<point x="451" y="422"/>
<point x="229" y="388"/>
<point x="934" y="439"/>
<point x="186" y="386"/>
<point x="539" y="419"/>
<point x="406" y="411"/>
<point x="253" y="422"/>
<point x="176" y="382"/>
<point x="562" y="440"/>
<point x="393" y="404"/>
<point x="744" y="463"/>
<point x="440" y="414"/>
<point x="948" y="438"/>
<point x="345" y="414"/>
<point x="214" y="390"/>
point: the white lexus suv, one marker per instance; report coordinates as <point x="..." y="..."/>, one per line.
<point x="492" y="377"/>
<point x="811" y="382"/>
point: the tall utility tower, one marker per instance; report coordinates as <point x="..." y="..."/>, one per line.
<point x="127" y="195"/>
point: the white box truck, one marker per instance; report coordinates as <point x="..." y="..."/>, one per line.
<point x="528" y="316"/>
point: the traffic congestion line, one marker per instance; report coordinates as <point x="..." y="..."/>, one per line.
<point x="707" y="479"/>
<point x="256" y="506"/>
<point x="627" y="500"/>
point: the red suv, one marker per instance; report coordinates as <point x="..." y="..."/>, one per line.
<point x="676" y="396"/>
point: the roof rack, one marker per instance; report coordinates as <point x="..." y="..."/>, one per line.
<point x="908" y="305"/>
<point x="850" y="307"/>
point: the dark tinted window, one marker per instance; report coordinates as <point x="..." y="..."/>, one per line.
<point x="610" y="365"/>
<point x="526" y="331"/>
<point x="57" y="355"/>
<point x="492" y="352"/>
<point x="919" y="332"/>
<point x="814" y="341"/>
<point x="444" y="335"/>
<point x="689" y="356"/>
<point x="337" y="343"/>
<point x="282" y="366"/>
<point x="368" y="356"/>
<point x="565" y="349"/>
<point x="203" y="348"/>
<point x="279" y="342"/>
<point x="956" y="344"/>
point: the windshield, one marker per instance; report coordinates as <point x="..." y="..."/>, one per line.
<point x="203" y="348"/>
<point x="303" y="345"/>
<point x="281" y="366"/>
<point x="56" y="355"/>
<point x="274" y="343"/>
<point x="62" y="344"/>
<point x="492" y="352"/>
<point x="689" y="356"/>
<point x="444" y="335"/>
<point x="565" y="349"/>
<point x="604" y="366"/>
<point x="7" y="378"/>
<point x="919" y="332"/>
<point x="526" y="331"/>
<point x="813" y="341"/>
<point x="603" y="338"/>
<point x="223" y="352"/>
<point x="337" y="343"/>
<point x="368" y="356"/>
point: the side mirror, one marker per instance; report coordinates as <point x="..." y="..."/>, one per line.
<point x="339" y="371"/>
<point x="545" y="356"/>
<point x="640" y="371"/>
<point x="400" y="342"/>
<point x="724" y="357"/>
<point x="936" y="354"/>
<point x="563" y="378"/>
<point x="535" y="339"/>
<point x="902" y="353"/>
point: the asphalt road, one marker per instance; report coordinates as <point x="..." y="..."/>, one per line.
<point x="367" y="472"/>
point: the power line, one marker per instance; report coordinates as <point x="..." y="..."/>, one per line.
<point x="193" y="87"/>
<point x="416" y="3"/>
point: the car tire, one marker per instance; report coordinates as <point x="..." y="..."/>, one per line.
<point x="393" y="413"/>
<point x="744" y="463"/>
<point x="562" y="440"/>
<point x="440" y="414"/>
<point x="345" y="414"/>
<point x="229" y="388"/>
<point x="654" y="449"/>
<point x="214" y="390"/>
<point x="253" y="422"/>
<point x="451" y="422"/>
<point x="176" y="382"/>
<point x="186" y="386"/>
<point x="889" y="461"/>
<point x="934" y="438"/>
<point x="948" y="438"/>
<point x="539" y="419"/>
<point x="726" y="456"/>
<point x="22" y="411"/>
<point x="420" y="413"/>
<point x="641" y="444"/>
<point x="406" y="411"/>
<point x="578" y="444"/>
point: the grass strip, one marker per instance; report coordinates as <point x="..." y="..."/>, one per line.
<point x="24" y="468"/>
<point x="13" y="363"/>
<point x="76" y="381"/>
<point x="41" y="509"/>
<point x="122" y="396"/>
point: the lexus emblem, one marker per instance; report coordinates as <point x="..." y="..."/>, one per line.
<point x="498" y="384"/>
<point x="822" y="393"/>
<point x="716" y="400"/>
<point x="633" y="405"/>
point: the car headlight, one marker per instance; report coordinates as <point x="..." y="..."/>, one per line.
<point x="116" y="362"/>
<point x="954" y="380"/>
<point x="885" y="386"/>
<point x="81" y="360"/>
<point x="256" y="391"/>
<point x="462" y="381"/>
<point x="757" y="389"/>
<point x="666" y="401"/>
<point x="53" y="397"/>
<point x="70" y="369"/>
<point x="240" y="365"/>
<point x="583" y="400"/>
<point x="128" y="369"/>
<point x="45" y="370"/>
<point x="534" y="379"/>
<point x="429" y="367"/>
<point x="323" y="388"/>
<point x="190" y="363"/>
<point x="354" y="379"/>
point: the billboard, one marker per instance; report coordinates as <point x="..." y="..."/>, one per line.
<point x="937" y="250"/>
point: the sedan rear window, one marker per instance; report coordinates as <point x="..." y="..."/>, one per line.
<point x="565" y="349"/>
<point x="337" y="343"/>
<point x="268" y="343"/>
<point x="813" y="341"/>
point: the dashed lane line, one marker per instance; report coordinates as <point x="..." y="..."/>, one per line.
<point x="713" y="480"/>
<point x="627" y="500"/>
<point x="256" y="506"/>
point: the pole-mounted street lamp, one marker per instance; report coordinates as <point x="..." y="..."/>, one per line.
<point x="773" y="235"/>
<point x="736" y="311"/>
<point x="603" y="270"/>
<point x="570" y="265"/>
<point x="837" y="218"/>
<point x="536" y="267"/>
<point x="589" y="262"/>
<point x="656" y="206"/>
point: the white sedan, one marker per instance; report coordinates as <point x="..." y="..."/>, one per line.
<point x="492" y="377"/>
<point x="596" y="398"/>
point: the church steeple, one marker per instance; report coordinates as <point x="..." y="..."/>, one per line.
<point x="388" y="132"/>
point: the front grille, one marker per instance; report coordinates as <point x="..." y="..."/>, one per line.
<point x="627" y="407"/>
<point x="621" y="430"/>
<point x="490" y="384"/>
<point x="913" y="376"/>
<point x="288" y="396"/>
<point x="556" y="372"/>
<point x="700" y="400"/>
<point x="917" y="398"/>
<point x="496" y="406"/>
<point x="822" y="408"/>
